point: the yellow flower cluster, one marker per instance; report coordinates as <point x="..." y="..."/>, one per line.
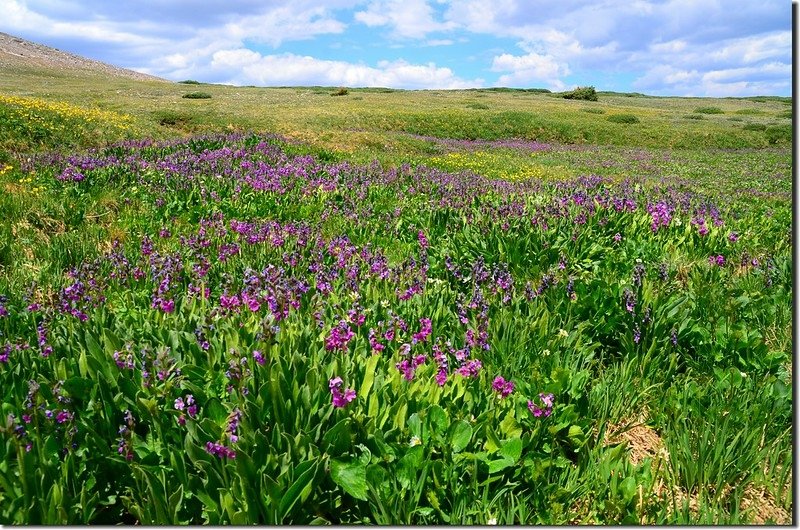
<point x="5" y="168"/>
<point x="34" y="189"/>
<point x="499" y="165"/>
<point x="52" y="114"/>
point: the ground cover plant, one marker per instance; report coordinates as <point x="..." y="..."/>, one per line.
<point x="240" y="328"/>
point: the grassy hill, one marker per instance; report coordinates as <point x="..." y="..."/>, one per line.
<point x="380" y="123"/>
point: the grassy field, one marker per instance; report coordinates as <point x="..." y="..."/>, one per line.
<point x="283" y="305"/>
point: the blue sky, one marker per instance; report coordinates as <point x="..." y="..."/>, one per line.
<point x="659" y="47"/>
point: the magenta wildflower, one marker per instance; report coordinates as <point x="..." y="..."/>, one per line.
<point x="547" y="400"/>
<point x="338" y="398"/>
<point x="257" y="355"/>
<point x="503" y="387"/>
<point x="441" y="377"/>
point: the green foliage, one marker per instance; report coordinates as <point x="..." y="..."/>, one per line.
<point x="190" y="82"/>
<point x="708" y="110"/>
<point x="777" y="134"/>
<point x="585" y="93"/>
<point x="341" y="91"/>
<point x="623" y="118"/>
<point x="197" y="95"/>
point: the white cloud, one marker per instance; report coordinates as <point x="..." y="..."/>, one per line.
<point x="413" y="19"/>
<point x="245" y="67"/>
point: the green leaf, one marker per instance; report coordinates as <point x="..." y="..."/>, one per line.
<point x="500" y="464"/>
<point x="628" y="489"/>
<point x="369" y="376"/>
<point x="351" y="476"/>
<point x="437" y="419"/>
<point x="512" y="449"/>
<point x="300" y="488"/>
<point x="460" y="435"/>
<point x="215" y="410"/>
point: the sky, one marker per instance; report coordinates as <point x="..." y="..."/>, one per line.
<point x="713" y="48"/>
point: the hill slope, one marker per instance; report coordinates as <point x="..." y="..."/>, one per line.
<point x="15" y="52"/>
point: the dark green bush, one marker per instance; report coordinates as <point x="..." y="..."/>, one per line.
<point x="585" y="93"/>
<point x="754" y="127"/>
<point x="708" y="110"/>
<point x="478" y="106"/>
<point x="342" y="91"/>
<point x="694" y="117"/>
<point x="623" y="118"/>
<point x="594" y="111"/>
<point x="197" y="95"/>
<point x="779" y="134"/>
<point x="189" y="82"/>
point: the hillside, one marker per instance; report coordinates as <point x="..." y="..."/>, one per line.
<point x="16" y="52"/>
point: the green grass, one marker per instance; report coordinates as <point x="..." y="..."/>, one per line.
<point x="708" y="376"/>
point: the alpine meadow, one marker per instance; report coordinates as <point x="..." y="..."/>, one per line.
<point x="235" y="305"/>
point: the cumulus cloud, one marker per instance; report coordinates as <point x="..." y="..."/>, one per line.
<point x="528" y="70"/>
<point x="670" y="47"/>
<point x="413" y="19"/>
<point x="246" y="67"/>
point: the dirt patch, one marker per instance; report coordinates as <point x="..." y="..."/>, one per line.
<point x="763" y="508"/>
<point x="642" y="442"/>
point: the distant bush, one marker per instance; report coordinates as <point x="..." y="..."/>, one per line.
<point x="342" y="91"/>
<point x="750" y="112"/>
<point x="593" y="111"/>
<point x="708" y="110"/>
<point x="623" y="118"/>
<point x="779" y="134"/>
<point x="477" y="106"/>
<point x="694" y="117"/>
<point x="189" y="82"/>
<point x="585" y="93"/>
<point x="197" y="95"/>
<point x="754" y="127"/>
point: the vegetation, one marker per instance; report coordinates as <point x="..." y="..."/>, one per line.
<point x="585" y="93"/>
<point x="282" y="307"/>
<point x="623" y="118"/>
<point x="197" y="95"/>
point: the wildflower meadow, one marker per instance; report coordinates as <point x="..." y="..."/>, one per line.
<point x="242" y="328"/>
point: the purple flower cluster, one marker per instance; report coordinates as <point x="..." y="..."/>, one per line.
<point x="503" y="387"/>
<point x="547" y="406"/>
<point x="219" y="450"/>
<point x="340" y="399"/>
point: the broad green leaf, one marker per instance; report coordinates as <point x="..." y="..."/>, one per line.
<point x="460" y="435"/>
<point x="351" y="476"/>
<point x="512" y="449"/>
<point x="500" y="464"/>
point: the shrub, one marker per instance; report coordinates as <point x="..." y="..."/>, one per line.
<point x="779" y="134"/>
<point x="585" y="93"/>
<point x="189" y="82"/>
<point x="754" y="127"/>
<point x="623" y="118"/>
<point x="694" y="117"/>
<point x="708" y="110"/>
<point x="594" y="111"/>
<point x="478" y="106"/>
<point x="197" y="95"/>
<point x="342" y="91"/>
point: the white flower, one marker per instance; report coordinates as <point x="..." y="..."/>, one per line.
<point x="492" y="521"/>
<point x="415" y="441"/>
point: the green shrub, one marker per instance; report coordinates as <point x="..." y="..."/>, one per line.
<point x="477" y="106"/>
<point x="694" y="117"/>
<point x="585" y="93"/>
<point x="708" y="110"/>
<point x="197" y="95"/>
<point x="754" y="127"/>
<point x="593" y="111"/>
<point x="623" y="118"/>
<point x="189" y="82"/>
<point x="750" y="112"/>
<point x="779" y="134"/>
<point x="342" y="91"/>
